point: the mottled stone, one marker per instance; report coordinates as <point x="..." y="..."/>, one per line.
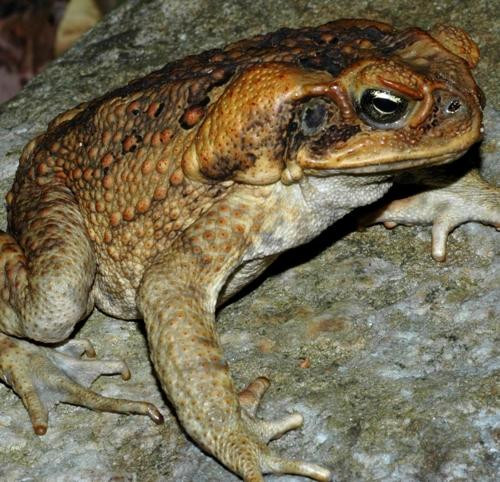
<point x="401" y="382"/>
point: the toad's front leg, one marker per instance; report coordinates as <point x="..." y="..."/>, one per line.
<point x="446" y="203"/>
<point x="178" y="298"/>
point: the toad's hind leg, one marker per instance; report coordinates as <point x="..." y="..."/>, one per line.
<point x="45" y="289"/>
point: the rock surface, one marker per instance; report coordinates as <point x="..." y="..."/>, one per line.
<point x="390" y="356"/>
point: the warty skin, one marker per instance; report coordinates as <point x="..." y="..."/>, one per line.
<point x="162" y="199"/>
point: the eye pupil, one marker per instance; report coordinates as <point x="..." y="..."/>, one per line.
<point x="381" y="108"/>
<point x="385" y="106"/>
<point x="453" y="106"/>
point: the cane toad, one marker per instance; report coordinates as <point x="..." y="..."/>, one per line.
<point x="163" y="198"/>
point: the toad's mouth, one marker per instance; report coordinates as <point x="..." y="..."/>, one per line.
<point x="370" y="153"/>
<point x="386" y="167"/>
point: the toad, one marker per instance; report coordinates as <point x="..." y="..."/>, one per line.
<point x="161" y="199"/>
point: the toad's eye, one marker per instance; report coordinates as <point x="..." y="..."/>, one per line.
<point x="382" y="109"/>
<point x="313" y="117"/>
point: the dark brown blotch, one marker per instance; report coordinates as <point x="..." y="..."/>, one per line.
<point x="131" y="143"/>
<point x="332" y="136"/>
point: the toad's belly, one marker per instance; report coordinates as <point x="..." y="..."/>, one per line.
<point x="115" y="294"/>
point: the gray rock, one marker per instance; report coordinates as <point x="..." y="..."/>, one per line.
<point x="400" y="351"/>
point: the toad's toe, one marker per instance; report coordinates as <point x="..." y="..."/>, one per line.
<point x="250" y="399"/>
<point x="77" y="348"/>
<point x="264" y="431"/>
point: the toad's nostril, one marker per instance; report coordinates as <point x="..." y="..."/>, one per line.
<point x="453" y="106"/>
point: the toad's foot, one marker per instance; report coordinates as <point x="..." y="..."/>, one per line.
<point x="265" y="431"/>
<point x="445" y="206"/>
<point x="43" y="377"/>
